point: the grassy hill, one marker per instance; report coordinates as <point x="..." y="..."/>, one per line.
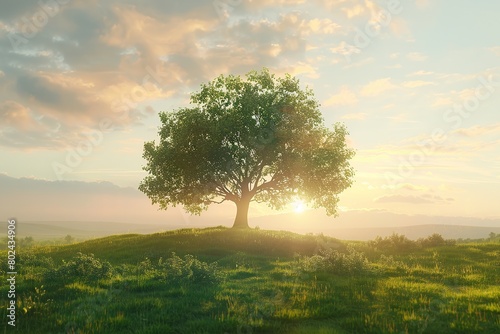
<point x="226" y="281"/>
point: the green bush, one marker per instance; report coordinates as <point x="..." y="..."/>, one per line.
<point x="434" y="240"/>
<point x="395" y="242"/>
<point x="84" y="267"/>
<point x="31" y="259"/>
<point x="146" y="267"/>
<point x="333" y="261"/>
<point x="190" y="270"/>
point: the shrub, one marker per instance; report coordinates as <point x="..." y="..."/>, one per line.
<point x="190" y="270"/>
<point x="31" y="259"/>
<point x="83" y="267"/>
<point x="395" y="242"/>
<point x="333" y="261"/>
<point x="146" y="267"/>
<point x="398" y="242"/>
<point x="432" y="241"/>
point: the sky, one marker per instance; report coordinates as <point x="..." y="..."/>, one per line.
<point x="417" y="83"/>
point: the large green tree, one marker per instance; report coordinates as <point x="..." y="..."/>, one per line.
<point x="258" y="138"/>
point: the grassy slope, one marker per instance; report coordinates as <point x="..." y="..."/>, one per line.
<point x="449" y="289"/>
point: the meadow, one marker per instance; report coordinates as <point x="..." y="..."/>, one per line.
<point x="220" y="280"/>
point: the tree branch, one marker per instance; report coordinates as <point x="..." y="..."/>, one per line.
<point x="215" y="202"/>
<point x="259" y="175"/>
<point x="269" y="184"/>
<point x="226" y="193"/>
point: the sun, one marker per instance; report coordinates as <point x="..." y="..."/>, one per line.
<point x="298" y="206"/>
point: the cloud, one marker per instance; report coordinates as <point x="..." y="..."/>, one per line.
<point x="21" y="127"/>
<point x="413" y="199"/>
<point x="478" y="130"/>
<point x="354" y="11"/>
<point x="495" y="50"/>
<point x="416" y="56"/>
<point x="400" y="28"/>
<point x="319" y="26"/>
<point x="87" y="65"/>
<point x="377" y="87"/>
<point x="402" y="199"/>
<point x="300" y="68"/>
<point x="442" y="101"/>
<point x="343" y="98"/>
<point x="417" y="83"/>
<point x="420" y="73"/>
<point x="345" y="49"/>
<point x="355" y="116"/>
<point x="412" y="187"/>
<point x="262" y="4"/>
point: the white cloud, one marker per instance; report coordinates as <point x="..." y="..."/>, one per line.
<point x="319" y="26"/>
<point x="478" y="130"/>
<point x="343" y="98"/>
<point x="417" y="83"/>
<point x="377" y="87"/>
<point x="420" y="73"/>
<point x="299" y="68"/>
<point x="345" y="49"/>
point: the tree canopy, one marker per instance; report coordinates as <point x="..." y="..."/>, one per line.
<point x="259" y="138"/>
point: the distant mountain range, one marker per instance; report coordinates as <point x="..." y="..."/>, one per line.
<point x="366" y="225"/>
<point x="48" y="209"/>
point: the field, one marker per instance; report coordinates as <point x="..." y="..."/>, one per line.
<point x="219" y="280"/>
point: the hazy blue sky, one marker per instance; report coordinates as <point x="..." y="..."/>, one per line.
<point x="416" y="82"/>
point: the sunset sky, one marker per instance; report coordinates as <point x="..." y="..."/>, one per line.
<point x="417" y="84"/>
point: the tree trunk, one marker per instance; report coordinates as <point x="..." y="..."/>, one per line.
<point x="241" y="220"/>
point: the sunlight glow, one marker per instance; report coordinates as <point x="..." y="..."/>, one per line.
<point x="298" y="206"/>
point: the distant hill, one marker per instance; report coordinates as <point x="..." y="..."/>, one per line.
<point x="415" y="232"/>
<point x="85" y="230"/>
<point x="366" y="225"/>
<point x="44" y="230"/>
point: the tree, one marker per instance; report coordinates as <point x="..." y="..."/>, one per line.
<point x="27" y="241"/>
<point x="69" y="239"/>
<point x="257" y="138"/>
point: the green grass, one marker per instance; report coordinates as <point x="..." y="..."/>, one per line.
<point x="266" y="285"/>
